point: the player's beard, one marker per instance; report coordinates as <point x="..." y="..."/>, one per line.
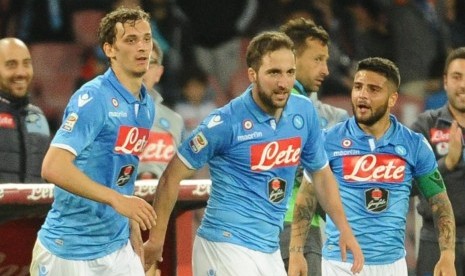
<point x="267" y="99"/>
<point x="376" y="115"/>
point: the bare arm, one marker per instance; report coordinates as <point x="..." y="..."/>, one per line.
<point x="444" y="221"/>
<point x="304" y="209"/>
<point x="165" y="198"/>
<point x="305" y="206"/>
<point x="327" y="191"/>
<point x="58" y="168"/>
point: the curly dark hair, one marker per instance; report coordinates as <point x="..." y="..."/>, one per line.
<point x="107" y="28"/>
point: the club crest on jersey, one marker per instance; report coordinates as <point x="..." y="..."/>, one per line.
<point x="323" y="122"/>
<point x="376" y="199"/>
<point x="70" y="121"/>
<point x="198" y="142"/>
<point x="276" y="189"/>
<point x="298" y="121"/>
<point x="400" y="150"/>
<point x="276" y="154"/>
<point x="386" y="168"/>
<point x="164" y="123"/>
<point x="125" y="174"/>
<point x="131" y="140"/>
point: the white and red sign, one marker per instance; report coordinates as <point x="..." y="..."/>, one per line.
<point x="131" y="140"/>
<point x="374" y="167"/>
<point x="160" y="148"/>
<point x="276" y="154"/>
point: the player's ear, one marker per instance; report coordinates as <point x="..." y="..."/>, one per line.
<point x="393" y="99"/>
<point x="108" y="50"/>
<point x="252" y="75"/>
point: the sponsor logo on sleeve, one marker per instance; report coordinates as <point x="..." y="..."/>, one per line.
<point x="131" y="140"/>
<point x="275" y="154"/>
<point x="70" y="121"/>
<point x="386" y="168"/>
<point x="198" y="142"/>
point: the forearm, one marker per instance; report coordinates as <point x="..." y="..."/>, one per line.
<point x="166" y="196"/>
<point x="304" y="209"/>
<point x="59" y="169"/>
<point x="164" y="201"/>
<point x="327" y="191"/>
<point x="444" y="221"/>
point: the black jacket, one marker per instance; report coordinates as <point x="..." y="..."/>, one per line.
<point x="24" y="139"/>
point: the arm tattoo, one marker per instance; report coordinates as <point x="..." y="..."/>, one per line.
<point x="444" y="220"/>
<point x="304" y="211"/>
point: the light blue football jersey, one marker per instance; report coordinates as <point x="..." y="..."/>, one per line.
<point x="106" y="127"/>
<point x="375" y="179"/>
<point x="252" y="160"/>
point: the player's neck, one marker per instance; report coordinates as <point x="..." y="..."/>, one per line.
<point x="378" y="129"/>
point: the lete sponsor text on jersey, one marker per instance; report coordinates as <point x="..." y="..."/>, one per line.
<point x="374" y="167"/>
<point x="131" y="140"/>
<point x="160" y="148"/>
<point x="280" y="153"/>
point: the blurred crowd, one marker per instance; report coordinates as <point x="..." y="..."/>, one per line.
<point x="204" y="42"/>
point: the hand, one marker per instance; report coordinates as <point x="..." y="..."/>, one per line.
<point x="297" y="264"/>
<point x="136" y="240"/>
<point x="137" y="209"/>
<point x="445" y="265"/>
<point x="455" y="146"/>
<point x="153" y="271"/>
<point x="348" y="241"/>
<point x="153" y="252"/>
